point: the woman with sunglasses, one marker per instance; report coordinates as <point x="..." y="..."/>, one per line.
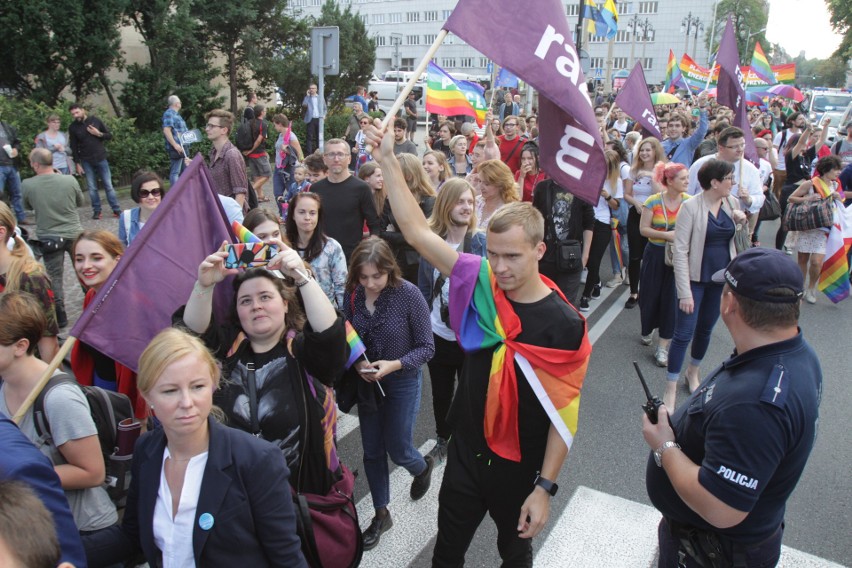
<point x="361" y="143"/>
<point x="147" y="190"/>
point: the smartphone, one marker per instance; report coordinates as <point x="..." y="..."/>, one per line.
<point x="653" y="404"/>
<point x="248" y="255"/>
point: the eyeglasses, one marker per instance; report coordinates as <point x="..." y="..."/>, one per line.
<point x="143" y="193"/>
<point x="736" y="147"/>
<point x="729" y="177"/>
<point x="335" y="155"/>
<point x="211" y="125"/>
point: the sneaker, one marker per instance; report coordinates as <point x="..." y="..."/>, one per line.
<point x="439" y="452"/>
<point x="810" y="297"/>
<point x="97" y="215"/>
<point x="631" y="302"/>
<point x="584" y="304"/>
<point x="661" y="357"/>
<point x="596" y="291"/>
<point x="374" y="532"/>
<point x="615" y="281"/>
<point x="116" y="214"/>
<point x="647" y="339"/>
<point x="421" y="482"/>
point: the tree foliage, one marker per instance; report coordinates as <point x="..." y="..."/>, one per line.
<point x="829" y="72"/>
<point x="841" y="21"/>
<point x="248" y="34"/>
<point x="180" y="64"/>
<point x="748" y="17"/>
<point x="51" y="45"/>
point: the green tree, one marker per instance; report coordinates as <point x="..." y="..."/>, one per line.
<point x="180" y="63"/>
<point x="51" y="45"/>
<point x="250" y="35"/>
<point x="841" y="21"/>
<point x="748" y="17"/>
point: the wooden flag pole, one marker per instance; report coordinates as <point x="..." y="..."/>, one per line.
<point x="48" y="373"/>
<point x="403" y="94"/>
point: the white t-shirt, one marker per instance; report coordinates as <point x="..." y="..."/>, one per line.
<point x="751" y="179"/>
<point x="602" y="211"/>
<point x="439" y="328"/>
<point x="642" y="188"/>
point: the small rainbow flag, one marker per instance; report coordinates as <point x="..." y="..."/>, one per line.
<point x="484" y="319"/>
<point x="445" y="95"/>
<point x="243" y="234"/>
<point x="356" y="345"/>
<point x="673" y="77"/>
<point x="834" y="276"/>
<point x="760" y="66"/>
<point x="785" y="73"/>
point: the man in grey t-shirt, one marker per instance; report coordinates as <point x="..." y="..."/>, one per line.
<point x="401" y="145"/>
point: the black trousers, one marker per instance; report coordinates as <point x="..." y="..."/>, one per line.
<point x="444" y="367"/>
<point x="636" y="243"/>
<point x="781" y="235"/>
<point x="601" y="236"/>
<point x="312" y="136"/>
<point x="474" y="485"/>
<point x="568" y="282"/>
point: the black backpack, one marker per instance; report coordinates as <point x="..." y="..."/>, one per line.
<point x="244" y="139"/>
<point x="108" y="409"/>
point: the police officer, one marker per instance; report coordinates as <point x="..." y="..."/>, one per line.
<point x="725" y="463"/>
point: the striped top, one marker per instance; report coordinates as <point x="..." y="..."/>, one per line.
<point x="662" y="220"/>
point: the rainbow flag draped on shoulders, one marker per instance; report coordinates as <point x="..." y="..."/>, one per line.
<point x="834" y="275"/>
<point x="450" y="97"/>
<point x="484" y="319"/>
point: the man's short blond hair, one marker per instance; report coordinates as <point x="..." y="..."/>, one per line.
<point x="520" y="214"/>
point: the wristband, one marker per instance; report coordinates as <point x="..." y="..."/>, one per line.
<point x="303" y="282"/>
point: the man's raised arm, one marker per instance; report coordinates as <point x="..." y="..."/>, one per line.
<point x="409" y="217"/>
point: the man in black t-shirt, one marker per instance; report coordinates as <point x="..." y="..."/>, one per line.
<point x="514" y="492"/>
<point x="346" y="200"/>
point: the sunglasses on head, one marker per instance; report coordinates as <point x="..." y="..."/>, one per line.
<point x="143" y="193"/>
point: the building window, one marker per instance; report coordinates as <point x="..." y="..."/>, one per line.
<point x="625" y="8"/>
<point x="448" y="62"/>
<point x="381" y="41"/>
<point x="622" y="36"/>
<point x="429" y="39"/>
<point x="378" y="18"/>
<point x="596" y="63"/>
<point x="407" y="64"/>
<point x="648" y="63"/>
<point x="412" y="40"/>
<point x="571" y="9"/>
<point x="483" y="62"/>
<point x="396" y="18"/>
<point x="364" y="18"/>
<point x="315" y="2"/>
<point x="412" y="17"/>
<point x="446" y="14"/>
<point x="430" y="16"/>
<point x="648" y="7"/>
<point x="619" y="62"/>
<point x="596" y="39"/>
<point x="466" y="62"/>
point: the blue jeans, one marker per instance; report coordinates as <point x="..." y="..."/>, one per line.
<point x="95" y="170"/>
<point x="390" y="432"/>
<point x="176" y="168"/>
<point x="696" y="327"/>
<point x="9" y="177"/>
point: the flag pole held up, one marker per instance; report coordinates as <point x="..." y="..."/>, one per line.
<point x="48" y="373"/>
<point x="403" y="94"/>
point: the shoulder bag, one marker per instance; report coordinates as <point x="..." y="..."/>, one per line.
<point x="569" y="254"/>
<point x="669" y="246"/>
<point x="742" y="238"/>
<point x="809" y="215"/>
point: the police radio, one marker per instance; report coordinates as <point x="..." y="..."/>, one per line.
<point x="652" y="406"/>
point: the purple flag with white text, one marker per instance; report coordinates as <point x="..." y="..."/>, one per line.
<point x="538" y="49"/>
<point x="635" y="100"/>
<point x="729" y="88"/>
<point x="156" y="274"/>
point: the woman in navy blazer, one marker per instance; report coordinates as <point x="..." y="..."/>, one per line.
<point x="202" y="494"/>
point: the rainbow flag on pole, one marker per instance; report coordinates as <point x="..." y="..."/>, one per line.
<point x="356" y="345"/>
<point x="445" y="95"/>
<point x="834" y="276"/>
<point x="484" y="319"/>
<point x="760" y="66"/>
<point x="673" y="77"/>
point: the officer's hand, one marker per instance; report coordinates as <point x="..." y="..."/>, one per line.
<point x="657" y="434"/>
<point x="534" y="513"/>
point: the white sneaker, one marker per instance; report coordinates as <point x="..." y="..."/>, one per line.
<point x="647" y="339"/>
<point x="661" y="357"/>
<point x="615" y="281"/>
<point x="810" y="297"/>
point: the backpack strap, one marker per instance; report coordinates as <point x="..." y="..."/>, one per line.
<point x="40" y="420"/>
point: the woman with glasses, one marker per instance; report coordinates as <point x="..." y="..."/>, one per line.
<point x="147" y="190"/>
<point x="703" y="245"/>
<point x="57" y="142"/>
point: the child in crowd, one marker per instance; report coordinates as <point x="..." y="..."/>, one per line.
<point x="298" y="184"/>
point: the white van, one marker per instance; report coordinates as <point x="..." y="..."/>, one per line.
<point x="830" y="104"/>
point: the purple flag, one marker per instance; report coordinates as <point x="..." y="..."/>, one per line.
<point x="729" y="88"/>
<point x="635" y="100"/>
<point x="158" y="270"/>
<point x="538" y="49"/>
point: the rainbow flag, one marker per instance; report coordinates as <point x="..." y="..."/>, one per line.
<point x="834" y="275"/>
<point x="475" y="94"/>
<point x="484" y="319"/>
<point x="673" y="77"/>
<point x="444" y="95"/>
<point x="695" y="76"/>
<point x="243" y="234"/>
<point x="760" y="67"/>
<point x="785" y="73"/>
<point x="356" y="345"/>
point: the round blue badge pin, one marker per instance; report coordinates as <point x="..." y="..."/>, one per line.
<point x="205" y="521"/>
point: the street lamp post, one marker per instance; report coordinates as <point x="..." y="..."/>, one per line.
<point x="686" y="26"/>
<point x="647" y="35"/>
<point x="633" y="24"/>
<point x="396" y="40"/>
<point x="748" y="41"/>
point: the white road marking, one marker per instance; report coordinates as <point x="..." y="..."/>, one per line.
<point x="346" y="423"/>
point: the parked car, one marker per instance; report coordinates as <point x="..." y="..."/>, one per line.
<point x="828" y="104"/>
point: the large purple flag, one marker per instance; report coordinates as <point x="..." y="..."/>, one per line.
<point x="635" y="100"/>
<point x="729" y="88"/>
<point x="158" y="270"/>
<point x="538" y="48"/>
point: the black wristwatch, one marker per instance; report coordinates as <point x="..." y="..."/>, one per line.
<point x="547" y="485"/>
